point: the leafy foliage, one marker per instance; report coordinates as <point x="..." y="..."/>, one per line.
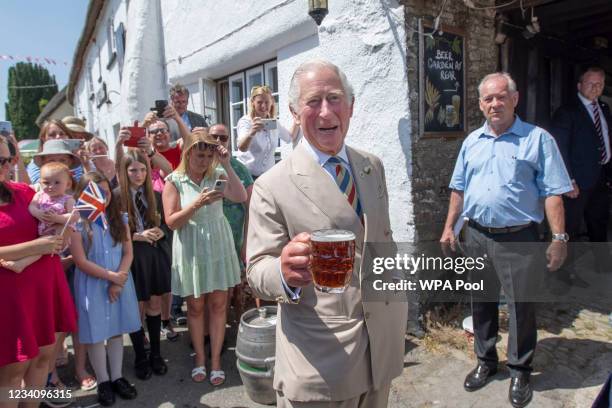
<point x="25" y="104"/>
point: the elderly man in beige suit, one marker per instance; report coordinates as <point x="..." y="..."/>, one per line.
<point x="332" y="350"/>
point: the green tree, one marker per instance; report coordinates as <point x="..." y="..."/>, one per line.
<point x="25" y="94"/>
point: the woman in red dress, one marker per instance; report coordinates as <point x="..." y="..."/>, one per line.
<point x="36" y="303"/>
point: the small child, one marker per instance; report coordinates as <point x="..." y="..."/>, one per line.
<point x="51" y="205"/>
<point x="105" y="296"/>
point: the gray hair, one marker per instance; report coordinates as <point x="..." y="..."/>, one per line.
<point x="511" y="85"/>
<point x="178" y="89"/>
<point x="312" y="66"/>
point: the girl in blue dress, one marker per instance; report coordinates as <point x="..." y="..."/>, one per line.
<point x="104" y="291"/>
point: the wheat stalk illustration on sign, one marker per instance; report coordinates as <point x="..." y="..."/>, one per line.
<point x="432" y="99"/>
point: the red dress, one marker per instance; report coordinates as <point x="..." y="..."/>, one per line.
<point x="36" y="303"/>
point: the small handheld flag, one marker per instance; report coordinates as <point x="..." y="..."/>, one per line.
<point x="91" y="204"/>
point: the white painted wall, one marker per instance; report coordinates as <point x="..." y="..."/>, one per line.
<point x="101" y="120"/>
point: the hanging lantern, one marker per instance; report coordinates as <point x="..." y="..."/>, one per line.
<point x="317" y="9"/>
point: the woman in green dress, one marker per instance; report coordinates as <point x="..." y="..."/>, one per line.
<point x="204" y="262"/>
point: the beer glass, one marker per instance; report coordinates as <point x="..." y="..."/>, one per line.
<point x="332" y="253"/>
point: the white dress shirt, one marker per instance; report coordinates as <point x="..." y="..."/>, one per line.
<point x="604" y="125"/>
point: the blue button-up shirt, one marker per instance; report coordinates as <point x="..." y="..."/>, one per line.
<point x="505" y="178"/>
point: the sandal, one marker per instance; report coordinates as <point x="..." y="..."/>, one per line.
<point x="217" y="377"/>
<point x="198" y="371"/>
<point x="88" y="382"/>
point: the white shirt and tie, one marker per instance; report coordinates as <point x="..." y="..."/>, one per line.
<point x="595" y="111"/>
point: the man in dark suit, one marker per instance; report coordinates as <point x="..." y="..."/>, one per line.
<point x="179" y="96"/>
<point x="582" y="131"/>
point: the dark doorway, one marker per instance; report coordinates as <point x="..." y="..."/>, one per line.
<point x="546" y="54"/>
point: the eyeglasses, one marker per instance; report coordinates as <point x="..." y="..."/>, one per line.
<point x="202" y="146"/>
<point x="4" y="160"/>
<point x="159" y="130"/>
<point x="264" y="88"/>
<point x="221" y="138"/>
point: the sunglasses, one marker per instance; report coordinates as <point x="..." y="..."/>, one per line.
<point x="264" y="88"/>
<point x="156" y="131"/>
<point x="4" y="160"/>
<point x="203" y="146"/>
<point x="221" y="138"/>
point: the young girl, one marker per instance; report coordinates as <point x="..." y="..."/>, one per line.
<point x="104" y="291"/>
<point x="151" y="267"/>
<point x="51" y="205"/>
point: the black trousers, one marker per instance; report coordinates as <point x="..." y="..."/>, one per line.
<point x="511" y="260"/>
<point x="592" y="205"/>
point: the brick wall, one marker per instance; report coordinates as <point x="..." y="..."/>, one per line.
<point x="433" y="159"/>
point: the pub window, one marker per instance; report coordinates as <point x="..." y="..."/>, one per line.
<point x="234" y="91"/>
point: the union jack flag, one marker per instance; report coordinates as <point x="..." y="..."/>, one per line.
<point x="91" y="204"/>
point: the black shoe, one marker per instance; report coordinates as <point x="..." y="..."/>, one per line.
<point x="124" y="389"/>
<point x="158" y="365"/>
<point x="106" y="396"/>
<point x="478" y="377"/>
<point x="142" y="369"/>
<point x="520" y="392"/>
<point x="414" y="329"/>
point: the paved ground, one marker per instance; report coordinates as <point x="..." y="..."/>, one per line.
<point x="573" y="359"/>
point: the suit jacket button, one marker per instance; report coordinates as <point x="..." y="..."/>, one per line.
<point x="367" y="315"/>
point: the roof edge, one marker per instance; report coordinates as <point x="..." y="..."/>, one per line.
<point x="93" y="12"/>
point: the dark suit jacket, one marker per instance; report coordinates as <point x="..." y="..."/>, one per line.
<point x="196" y="120"/>
<point x="579" y="142"/>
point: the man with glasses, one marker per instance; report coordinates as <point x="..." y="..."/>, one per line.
<point x="179" y="96"/>
<point x="582" y="130"/>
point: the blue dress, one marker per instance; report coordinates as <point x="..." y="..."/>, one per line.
<point x="99" y="319"/>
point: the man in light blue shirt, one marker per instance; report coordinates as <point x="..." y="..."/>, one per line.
<point x="508" y="174"/>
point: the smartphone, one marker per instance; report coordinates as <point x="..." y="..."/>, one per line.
<point x="73" y="144"/>
<point x="160" y="106"/>
<point x="220" y="185"/>
<point x="136" y="133"/>
<point x="269" y="124"/>
<point x="6" y="127"/>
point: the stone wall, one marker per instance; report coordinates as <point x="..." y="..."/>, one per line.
<point x="433" y="159"/>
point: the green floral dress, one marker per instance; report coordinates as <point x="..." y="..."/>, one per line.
<point x="203" y="254"/>
<point x="236" y="212"/>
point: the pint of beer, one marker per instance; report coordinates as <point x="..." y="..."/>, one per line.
<point x="332" y="253"/>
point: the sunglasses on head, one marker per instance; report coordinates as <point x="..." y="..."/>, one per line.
<point x="264" y="88"/>
<point x="159" y="130"/>
<point x="203" y="146"/>
<point x="4" y="160"/>
<point x="221" y="138"/>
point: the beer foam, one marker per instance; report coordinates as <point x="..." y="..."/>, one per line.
<point x="332" y="235"/>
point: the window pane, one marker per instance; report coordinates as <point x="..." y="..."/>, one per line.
<point x="272" y="79"/>
<point x="237" y="91"/>
<point x="237" y="113"/>
<point x="256" y="78"/>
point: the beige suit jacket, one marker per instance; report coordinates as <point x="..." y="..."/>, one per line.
<point x="329" y="347"/>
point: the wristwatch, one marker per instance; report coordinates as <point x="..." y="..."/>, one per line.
<point x="562" y="237"/>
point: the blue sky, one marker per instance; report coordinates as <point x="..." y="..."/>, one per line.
<point x="40" y="28"/>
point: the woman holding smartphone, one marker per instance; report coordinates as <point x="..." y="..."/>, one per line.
<point x="259" y="132"/>
<point x="204" y="262"/>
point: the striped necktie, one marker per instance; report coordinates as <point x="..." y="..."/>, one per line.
<point x="602" y="141"/>
<point x="142" y="210"/>
<point x="345" y="183"/>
